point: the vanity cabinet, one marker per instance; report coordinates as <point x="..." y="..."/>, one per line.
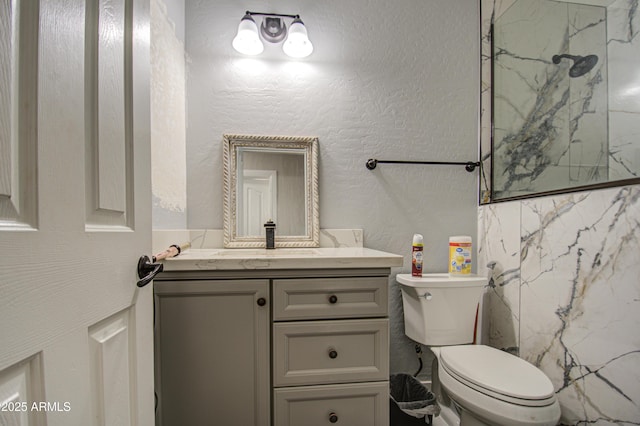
<point x="273" y="347"/>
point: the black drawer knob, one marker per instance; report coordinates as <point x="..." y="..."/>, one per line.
<point x="262" y="301"/>
<point x="333" y="418"/>
<point x="333" y="354"/>
<point x="333" y="299"/>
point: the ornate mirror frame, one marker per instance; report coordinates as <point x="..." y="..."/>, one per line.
<point x="306" y="145"/>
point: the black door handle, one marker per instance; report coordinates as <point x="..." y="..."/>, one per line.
<point x="147" y="270"/>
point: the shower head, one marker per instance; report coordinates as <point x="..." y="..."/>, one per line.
<point x="581" y="64"/>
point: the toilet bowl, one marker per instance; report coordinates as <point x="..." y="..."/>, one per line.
<point x="495" y="387"/>
<point x="486" y="386"/>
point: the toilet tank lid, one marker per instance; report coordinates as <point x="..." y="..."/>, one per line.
<point x="441" y="280"/>
<point x="497" y="371"/>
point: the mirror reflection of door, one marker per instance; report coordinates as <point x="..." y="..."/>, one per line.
<point x="288" y="203"/>
<point x="259" y="196"/>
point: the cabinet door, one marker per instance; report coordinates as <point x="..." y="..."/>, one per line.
<point x="212" y="352"/>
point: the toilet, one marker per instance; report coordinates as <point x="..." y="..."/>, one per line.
<point x="476" y="385"/>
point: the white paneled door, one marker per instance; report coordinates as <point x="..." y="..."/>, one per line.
<point x="76" y="339"/>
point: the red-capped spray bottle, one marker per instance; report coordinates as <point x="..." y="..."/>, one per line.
<point x="416" y="255"/>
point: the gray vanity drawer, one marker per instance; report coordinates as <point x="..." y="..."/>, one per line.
<point x="320" y="352"/>
<point x="326" y="298"/>
<point x="357" y="404"/>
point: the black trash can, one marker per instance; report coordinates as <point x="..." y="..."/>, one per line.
<point x="410" y="402"/>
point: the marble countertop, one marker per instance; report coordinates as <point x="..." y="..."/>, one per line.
<point x="281" y="258"/>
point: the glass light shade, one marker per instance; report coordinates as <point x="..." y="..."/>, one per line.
<point x="247" y="40"/>
<point x="297" y="44"/>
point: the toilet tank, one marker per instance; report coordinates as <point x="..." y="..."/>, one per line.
<point x="439" y="309"/>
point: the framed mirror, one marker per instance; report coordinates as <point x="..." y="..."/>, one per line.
<point x="270" y="178"/>
<point x="560" y="96"/>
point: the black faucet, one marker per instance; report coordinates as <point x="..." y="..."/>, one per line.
<point x="270" y="227"/>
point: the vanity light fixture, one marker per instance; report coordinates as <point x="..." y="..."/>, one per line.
<point x="273" y="29"/>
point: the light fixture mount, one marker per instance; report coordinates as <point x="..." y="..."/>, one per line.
<point x="273" y="29"/>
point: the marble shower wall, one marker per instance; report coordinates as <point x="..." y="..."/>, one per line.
<point x="564" y="294"/>
<point x="578" y="130"/>
<point x="623" y="46"/>
<point x="550" y="129"/>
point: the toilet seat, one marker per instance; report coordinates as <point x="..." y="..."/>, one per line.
<point x="476" y="365"/>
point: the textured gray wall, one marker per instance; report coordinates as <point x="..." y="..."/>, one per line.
<point x="168" y="116"/>
<point x="389" y="80"/>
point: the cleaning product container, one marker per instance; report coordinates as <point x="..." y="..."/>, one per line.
<point x="416" y="255"/>
<point x="460" y="255"/>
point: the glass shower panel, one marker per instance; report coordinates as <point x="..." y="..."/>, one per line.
<point x="550" y="97"/>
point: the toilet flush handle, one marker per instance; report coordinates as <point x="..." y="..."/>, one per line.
<point x="427" y="296"/>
